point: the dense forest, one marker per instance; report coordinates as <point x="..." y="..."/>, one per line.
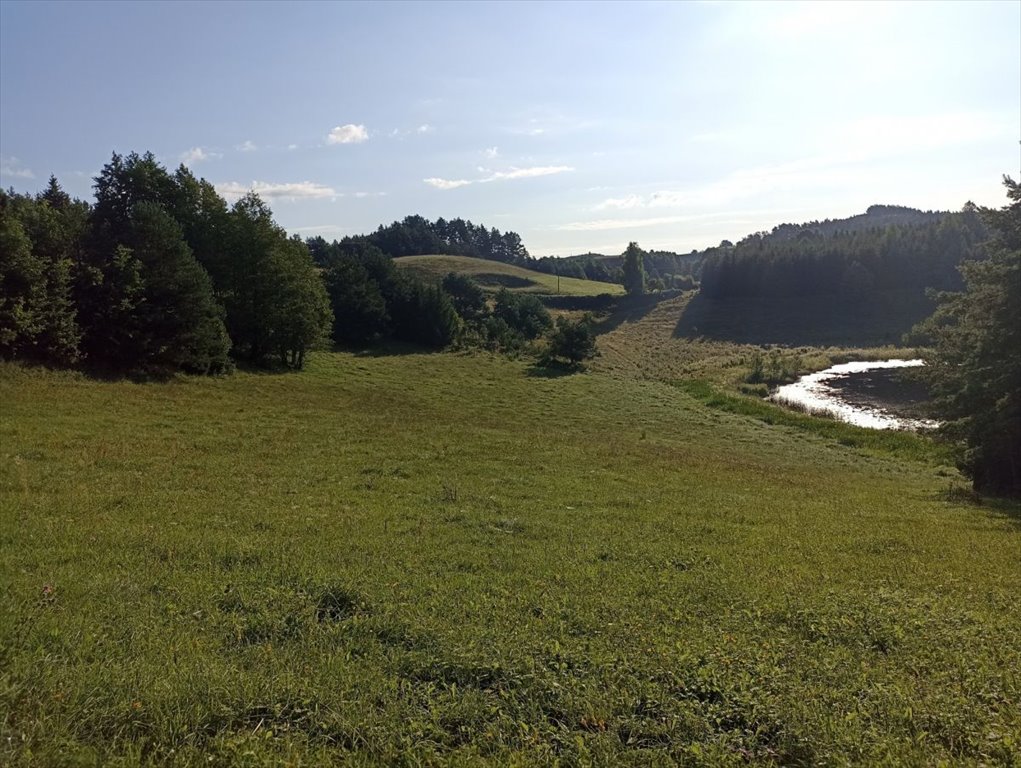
<point x="417" y="236"/>
<point x="899" y="249"/>
<point x="667" y="269"/>
<point x="160" y="275"/>
<point x="974" y="369"/>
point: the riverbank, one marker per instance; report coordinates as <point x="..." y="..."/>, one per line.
<point x="873" y="394"/>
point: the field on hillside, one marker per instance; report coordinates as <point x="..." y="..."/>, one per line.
<point x="493" y="275"/>
<point x="421" y="559"/>
<point x="650" y="340"/>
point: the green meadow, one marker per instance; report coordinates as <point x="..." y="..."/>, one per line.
<point x="422" y="559"/>
<point x="493" y="275"/>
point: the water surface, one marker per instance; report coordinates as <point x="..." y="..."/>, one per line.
<point x="867" y="394"/>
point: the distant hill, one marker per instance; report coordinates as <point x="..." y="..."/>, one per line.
<point x="875" y="216"/>
<point x="857" y="280"/>
<point x="494" y="275"/>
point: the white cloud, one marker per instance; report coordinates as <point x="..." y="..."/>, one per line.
<point x="527" y="173"/>
<point x="246" y="146"/>
<point x="513" y="173"/>
<point x="605" y="224"/>
<point x="318" y="228"/>
<point x="492" y="153"/>
<point x="369" y="194"/>
<point x="303" y="190"/>
<point x="446" y="183"/>
<point x="292" y="147"/>
<point x="11" y="166"/>
<point x="425" y="128"/>
<point x="621" y="203"/>
<point x="197" y="155"/>
<point x="348" y="134"/>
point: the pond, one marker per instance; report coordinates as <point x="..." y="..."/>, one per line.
<point x="867" y="393"/>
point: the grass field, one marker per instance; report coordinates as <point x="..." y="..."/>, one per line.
<point x="423" y="559"/>
<point x="493" y="275"/>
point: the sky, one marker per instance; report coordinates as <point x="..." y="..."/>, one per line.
<point x="581" y="126"/>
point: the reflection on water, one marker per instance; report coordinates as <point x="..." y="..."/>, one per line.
<point x="861" y="393"/>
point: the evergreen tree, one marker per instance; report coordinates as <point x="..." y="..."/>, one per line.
<point x="109" y="294"/>
<point x="975" y="370"/>
<point x="523" y="313"/>
<point x="40" y="285"/>
<point x="22" y="286"/>
<point x="421" y="313"/>
<point x="467" y="296"/>
<point x="180" y="325"/>
<point x="122" y="184"/>
<point x="573" y="340"/>
<point x="634" y="270"/>
<point x="203" y="217"/>
<point x="359" y="309"/>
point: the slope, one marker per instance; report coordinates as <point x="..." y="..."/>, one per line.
<point x="493" y="275"/>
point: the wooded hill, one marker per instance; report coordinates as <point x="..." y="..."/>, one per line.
<point x="417" y="236"/>
<point x="851" y="280"/>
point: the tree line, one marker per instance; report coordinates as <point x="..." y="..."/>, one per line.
<point x="161" y="275"/>
<point x="417" y="236"/>
<point x="158" y="275"/>
<point x="373" y="300"/>
<point x="664" y="269"/>
<point x="847" y="262"/>
<point x="975" y="367"/>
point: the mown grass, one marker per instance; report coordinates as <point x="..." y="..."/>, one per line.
<point x="494" y="275"/>
<point x="425" y="559"/>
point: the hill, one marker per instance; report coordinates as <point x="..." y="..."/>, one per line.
<point x="875" y="216"/>
<point x="445" y="559"/>
<point x="493" y="275"/>
<point x="862" y="280"/>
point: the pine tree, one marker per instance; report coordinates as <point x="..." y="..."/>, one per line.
<point x="634" y="270"/>
<point x="975" y="370"/>
<point x="180" y="324"/>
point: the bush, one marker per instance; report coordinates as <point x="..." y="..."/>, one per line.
<point x="523" y="312"/>
<point x="573" y="341"/>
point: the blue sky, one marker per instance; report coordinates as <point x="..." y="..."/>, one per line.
<point x="581" y="126"/>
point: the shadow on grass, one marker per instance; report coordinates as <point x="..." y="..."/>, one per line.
<point x="496" y="280"/>
<point x="553" y="369"/>
<point x="1003" y="507"/>
<point x="995" y="507"/>
<point x="111" y="375"/>
<point x="804" y="320"/>
<point x="389" y="349"/>
<point x="631" y="309"/>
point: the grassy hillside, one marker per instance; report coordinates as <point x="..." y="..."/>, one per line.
<point x="656" y="338"/>
<point x="416" y="559"/>
<point x="493" y="275"/>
